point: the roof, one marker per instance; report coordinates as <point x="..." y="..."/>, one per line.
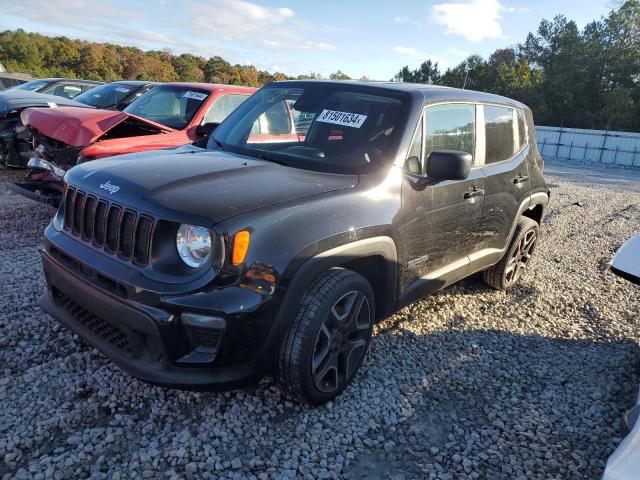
<point x="56" y="79"/>
<point x="429" y="93"/>
<point x="213" y="87"/>
<point x="137" y="83"/>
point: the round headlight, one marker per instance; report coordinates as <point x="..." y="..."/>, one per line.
<point x="194" y="244"/>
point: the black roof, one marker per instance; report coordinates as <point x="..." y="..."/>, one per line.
<point x="429" y="93"/>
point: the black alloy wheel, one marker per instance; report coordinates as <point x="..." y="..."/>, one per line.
<point x="328" y="339"/>
<point x="341" y="342"/>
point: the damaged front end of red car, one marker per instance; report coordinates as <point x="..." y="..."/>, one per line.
<point x="56" y="141"/>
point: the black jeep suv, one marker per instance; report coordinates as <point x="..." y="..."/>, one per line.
<point x="316" y="209"/>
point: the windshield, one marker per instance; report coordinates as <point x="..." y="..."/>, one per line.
<point x="169" y="105"/>
<point x="106" y="96"/>
<point x="329" y="127"/>
<point x="32" y="86"/>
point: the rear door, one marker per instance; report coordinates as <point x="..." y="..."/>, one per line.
<point x="506" y="172"/>
<point x="442" y="218"/>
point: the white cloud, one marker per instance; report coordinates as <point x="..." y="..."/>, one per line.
<point x="305" y="45"/>
<point x="234" y="19"/>
<point x="407" y="51"/>
<point x="517" y="10"/>
<point x="245" y="22"/>
<point x="475" y="20"/>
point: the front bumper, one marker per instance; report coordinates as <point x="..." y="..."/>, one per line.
<point x="154" y="344"/>
<point x="43" y="191"/>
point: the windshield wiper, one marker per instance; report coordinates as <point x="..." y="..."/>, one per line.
<point x="218" y="144"/>
<point x="263" y="156"/>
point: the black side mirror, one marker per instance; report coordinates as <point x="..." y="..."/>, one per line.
<point x="449" y="165"/>
<point x="206" y="129"/>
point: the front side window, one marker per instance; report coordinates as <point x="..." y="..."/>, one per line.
<point x="105" y="96"/>
<point x="222" y="107"/>
<point x="317" y="126"/>
<point x="499" y="133"/>
<point x="450" y="127"/>
<point x="64" y="90"/>
<point x="169" y="105"/>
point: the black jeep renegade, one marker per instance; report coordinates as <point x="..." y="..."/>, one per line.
<point x="316" y="209"/>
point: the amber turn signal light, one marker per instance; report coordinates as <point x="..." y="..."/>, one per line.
<point x="240" y="247"/>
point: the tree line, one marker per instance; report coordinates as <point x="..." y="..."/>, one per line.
<point x="587" y="78"/>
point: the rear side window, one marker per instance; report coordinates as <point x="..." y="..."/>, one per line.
<point x="522" y="129"/>
<point x="499" y="133"/>
<point x="450" y="127"/>
<point x="223" y="107"/>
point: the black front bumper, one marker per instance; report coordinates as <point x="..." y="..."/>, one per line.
<point x="141" y="339"/>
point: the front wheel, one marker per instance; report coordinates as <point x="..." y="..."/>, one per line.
<point x="329" y="337"/>
<point x="506" y="273"/>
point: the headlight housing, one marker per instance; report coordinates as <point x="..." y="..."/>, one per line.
<point x="195" y="244"/>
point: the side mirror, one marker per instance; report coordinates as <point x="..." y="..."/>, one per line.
<point x="449" y="165"/>
<point x="626" y="263"/>
<point x="206" y="129"/>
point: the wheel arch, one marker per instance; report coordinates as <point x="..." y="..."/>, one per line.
<point x="374" y="258"/>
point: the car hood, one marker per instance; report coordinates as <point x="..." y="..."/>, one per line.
<point x="199" y="186"/>
<point x="79" y="127"/>
<point x="15" y="100"/>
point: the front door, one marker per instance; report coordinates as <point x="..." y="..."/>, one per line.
<point x="441" y="219"/>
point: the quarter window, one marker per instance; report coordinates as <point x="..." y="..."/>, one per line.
<point x="499" y="133"/>
<point x="450" y="127"/>
<point x="522" y="129"/>
<point x="223" y="107"/>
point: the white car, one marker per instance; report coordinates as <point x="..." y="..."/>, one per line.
<point x="624" y="462"/>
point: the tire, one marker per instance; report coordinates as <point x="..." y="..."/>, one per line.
<point x="335" y="317"/>
<point x="506" y="273"/>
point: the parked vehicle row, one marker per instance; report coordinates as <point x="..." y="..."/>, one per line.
<point x="313" y="210"/>
<point x="14" y="142"/>
<point x="166" y="116"/>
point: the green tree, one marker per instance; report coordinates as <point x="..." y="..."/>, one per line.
<point x="339" y="76"/>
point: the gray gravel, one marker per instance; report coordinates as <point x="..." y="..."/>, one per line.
<point x="468" y="383"/>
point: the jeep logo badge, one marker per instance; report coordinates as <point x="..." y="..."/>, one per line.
<point x="109" y="187"/>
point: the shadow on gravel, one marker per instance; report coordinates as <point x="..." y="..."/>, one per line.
<point x="502" y="404"/>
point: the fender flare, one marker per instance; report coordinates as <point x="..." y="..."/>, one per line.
<point x="382" y="246"/>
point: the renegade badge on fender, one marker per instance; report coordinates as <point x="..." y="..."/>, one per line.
<point x="316" y="209"/>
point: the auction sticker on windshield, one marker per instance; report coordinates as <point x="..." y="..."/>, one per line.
<point x="346" y="119"/>
<point x="122" y="89"/>
<point x="195" y="95"/>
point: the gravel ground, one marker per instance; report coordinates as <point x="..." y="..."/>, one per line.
<point x="468" y="383"/>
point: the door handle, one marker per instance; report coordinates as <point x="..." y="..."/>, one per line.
<point x="476" y="192"/>
<point x="520" y="179"/>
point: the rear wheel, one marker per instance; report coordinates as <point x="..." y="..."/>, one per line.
<point x="506" y="273"/>
<point x="329" y="337"/>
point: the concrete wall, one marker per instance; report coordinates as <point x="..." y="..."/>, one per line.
<point x="592" y="147"/>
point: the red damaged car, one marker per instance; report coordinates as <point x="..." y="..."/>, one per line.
<point x="167" y="116"/>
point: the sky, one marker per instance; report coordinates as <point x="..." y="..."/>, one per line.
<point x="359" y="37"/>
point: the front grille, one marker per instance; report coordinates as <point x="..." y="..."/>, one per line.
<point x="112" y="334"/>
<point x="108" y="226"/>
